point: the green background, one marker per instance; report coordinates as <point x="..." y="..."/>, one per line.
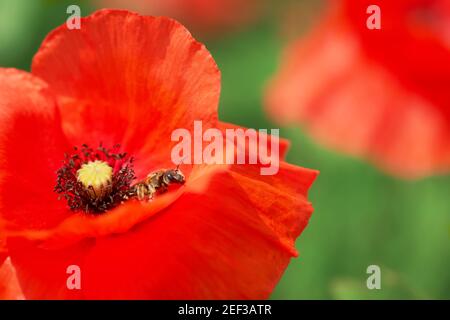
<point x="362" y="216"/>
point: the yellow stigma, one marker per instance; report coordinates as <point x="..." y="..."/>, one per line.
<point x="96" y="175"/>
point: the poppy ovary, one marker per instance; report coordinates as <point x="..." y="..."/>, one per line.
<point x="96" y="177"/>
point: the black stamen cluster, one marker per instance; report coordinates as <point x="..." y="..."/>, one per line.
<point x="76" y="195"/>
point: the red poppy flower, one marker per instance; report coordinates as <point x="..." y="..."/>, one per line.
<point x="376" y="93"/>
<point x="122" y="78"/>
<point x="206" y="16"/>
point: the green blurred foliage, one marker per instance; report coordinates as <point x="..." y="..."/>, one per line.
<point x="25" y="23"/>
<point x="361" y="217"/>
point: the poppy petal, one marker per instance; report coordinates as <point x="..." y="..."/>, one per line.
<point x="43" y="273"/>
<point x="289" y="181"/>
<point x="208" y="245"/>
<point x="129" y="79"/>
<point x="32" y="143"/>
<point x="3" y="251"/>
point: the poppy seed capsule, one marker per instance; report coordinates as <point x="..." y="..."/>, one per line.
<point x="96" y="176"/>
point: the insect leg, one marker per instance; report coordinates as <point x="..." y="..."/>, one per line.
<point x="151" y="191"/>
<point x="141" y="191"/>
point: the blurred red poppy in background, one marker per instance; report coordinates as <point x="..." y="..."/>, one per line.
<point x="205" y="16"/>
<point x="382" y="94"/>
<point x="122" y="78"/>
